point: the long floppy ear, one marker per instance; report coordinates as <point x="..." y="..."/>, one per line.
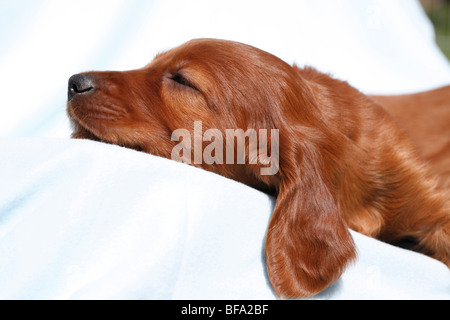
<point x="308" y="244"/>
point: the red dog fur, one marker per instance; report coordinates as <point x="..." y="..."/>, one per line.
<point x="343" y="160"/>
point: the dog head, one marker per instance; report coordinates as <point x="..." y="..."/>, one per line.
<point x="224" y="86"/>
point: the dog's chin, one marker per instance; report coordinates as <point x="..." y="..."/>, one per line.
<point x="81" y="132"/>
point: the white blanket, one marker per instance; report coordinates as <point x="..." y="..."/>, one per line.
<point x="80" y="219"/>
<point x="85" y="220"/>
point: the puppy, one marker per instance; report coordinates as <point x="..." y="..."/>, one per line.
<point x="341" y="160"/>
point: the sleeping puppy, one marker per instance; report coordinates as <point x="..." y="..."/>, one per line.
<point x="332" y="156"/>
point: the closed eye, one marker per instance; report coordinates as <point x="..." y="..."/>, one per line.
<point x="180" y="79"/>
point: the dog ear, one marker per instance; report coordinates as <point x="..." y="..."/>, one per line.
<point x="308" y="244"/>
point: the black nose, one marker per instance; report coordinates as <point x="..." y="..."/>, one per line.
<point x="79" y="83"/>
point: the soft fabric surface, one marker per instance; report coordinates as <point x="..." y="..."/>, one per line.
<point x="80" y="219"/>
<point x="85" y="220"/>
